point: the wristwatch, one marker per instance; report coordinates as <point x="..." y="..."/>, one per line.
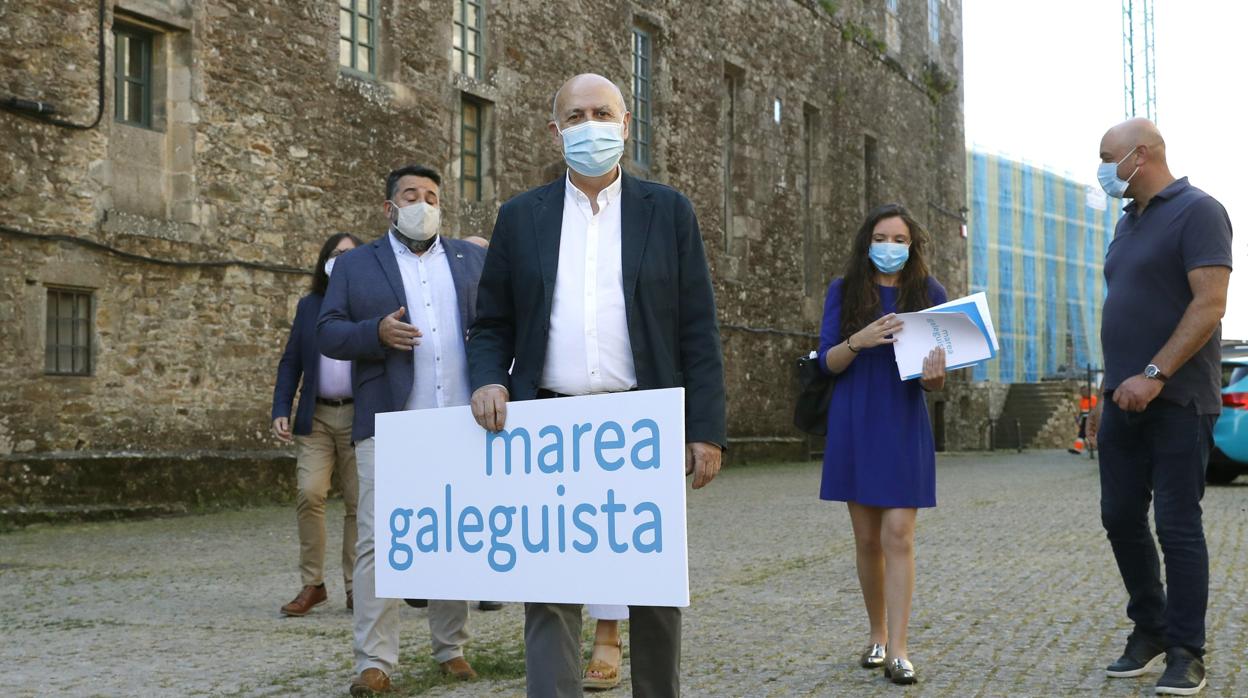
<point x="1151" y="371"/>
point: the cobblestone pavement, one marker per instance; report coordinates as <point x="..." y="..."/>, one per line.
<point x="1017" y="596"/>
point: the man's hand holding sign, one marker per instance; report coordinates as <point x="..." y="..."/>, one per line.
<point x="489" y="407"/>
<point x="702" y="460"/>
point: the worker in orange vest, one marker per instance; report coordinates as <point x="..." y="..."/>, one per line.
<point x="1087" y="403"/>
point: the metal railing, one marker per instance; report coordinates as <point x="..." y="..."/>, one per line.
<point x="990" y="429"/>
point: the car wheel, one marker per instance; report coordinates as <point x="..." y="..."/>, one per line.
<point x="1221" y="474"/>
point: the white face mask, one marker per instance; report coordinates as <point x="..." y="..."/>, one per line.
<point x="329" y="266"/>
<point x="418" y="222"/>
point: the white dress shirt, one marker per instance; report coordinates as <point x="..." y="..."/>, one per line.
<point x="333" y="379"/>
<point x="588" y="349"/>
<point x="440" y="376"/>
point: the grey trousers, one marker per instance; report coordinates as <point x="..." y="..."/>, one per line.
<point x="552" y="659"/>
<point x="377" y="620"/>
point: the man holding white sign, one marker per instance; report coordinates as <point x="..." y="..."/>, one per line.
<point x="598" y="283"/>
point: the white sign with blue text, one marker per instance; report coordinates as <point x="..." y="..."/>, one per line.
<point x="578" y="500"/>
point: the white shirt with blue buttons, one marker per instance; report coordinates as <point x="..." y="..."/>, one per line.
<point x="440" y="362"/>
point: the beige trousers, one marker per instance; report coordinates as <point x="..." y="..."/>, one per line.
<point x="377" y="620"/>
<point x="320" y="455"/>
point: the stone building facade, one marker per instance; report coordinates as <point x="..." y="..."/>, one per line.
<point x="153" y="261"/>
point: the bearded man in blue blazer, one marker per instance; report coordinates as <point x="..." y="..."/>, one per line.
<point x="400" y="308"/>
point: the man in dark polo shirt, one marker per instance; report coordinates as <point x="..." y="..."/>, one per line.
<point x="1166" y="272"/>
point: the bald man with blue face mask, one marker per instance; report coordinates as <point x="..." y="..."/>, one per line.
<point x="597" y="283"/>
<point x="1166" y="271"/>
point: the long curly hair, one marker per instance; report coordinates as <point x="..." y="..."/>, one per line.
<point x="860" y="304"/>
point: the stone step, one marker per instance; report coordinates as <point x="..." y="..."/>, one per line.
<point x="1043" y="388"/>
<point x="1033" y="405"/>
<point x="86" y="485"/>
<point x="18" y="517"/>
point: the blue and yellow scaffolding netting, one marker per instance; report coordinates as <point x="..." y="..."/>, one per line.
<point x="1037" y="248"/>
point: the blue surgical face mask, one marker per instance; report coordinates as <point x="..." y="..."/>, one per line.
<point x="1107" y="175"/>
<point x="889" y="257"/>
<point x="593" y="148"/>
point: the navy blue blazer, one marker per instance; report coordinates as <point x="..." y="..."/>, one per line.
<point x="668" y="299"/>
<point x="300" y="359"/>
<point x="365" y="287"/>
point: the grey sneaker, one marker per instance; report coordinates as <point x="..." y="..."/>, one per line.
<point x="1184" y="675"/>
<point x="1143" y="652"/>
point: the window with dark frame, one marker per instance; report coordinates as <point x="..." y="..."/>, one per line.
<point x="357" y="35"/>
<point x="810" y="125"/>
<point x="132" y="76"/>
<point x="68" y="348"/>
<point x="870" y="172"/>
<point x="470" y="127"/>
<point x="642" y="101"/>
<point x="728" y="109"/>
<point x="467" y="42"/>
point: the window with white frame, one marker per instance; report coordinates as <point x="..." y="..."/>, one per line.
<point x="892" y="26"/>
<point x="933" y="24"/>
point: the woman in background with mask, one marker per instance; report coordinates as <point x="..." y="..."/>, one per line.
<point x="321" y="432"/>
<point x="880" y="458"/>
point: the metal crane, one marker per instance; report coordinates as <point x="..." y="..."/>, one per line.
<point x="1139" y="74"/>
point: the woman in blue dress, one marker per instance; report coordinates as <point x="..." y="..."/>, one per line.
<point x="880" y="457"/>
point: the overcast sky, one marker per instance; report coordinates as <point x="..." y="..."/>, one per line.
<point x="1044" y="82"/>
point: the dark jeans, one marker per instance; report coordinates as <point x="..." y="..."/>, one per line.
<point x="1159" y="454"/>
<point x="552" y="643"/>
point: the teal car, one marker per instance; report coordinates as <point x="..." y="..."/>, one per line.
<point x="1229" y="459"/>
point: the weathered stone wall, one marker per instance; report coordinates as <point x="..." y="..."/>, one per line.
<point x="265" y="146"/>
<point x="967" y="408"/>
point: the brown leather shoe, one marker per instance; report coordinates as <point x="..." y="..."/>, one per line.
<point x="309" y="598"/>
<point x="370" y="682"/>
<point x="459" y="668"/>
<point x="350" y="601"/>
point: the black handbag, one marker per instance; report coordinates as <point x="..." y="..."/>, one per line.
<point x="814" y="394"/>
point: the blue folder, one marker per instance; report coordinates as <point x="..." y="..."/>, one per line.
<point x="972" y="311"/>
